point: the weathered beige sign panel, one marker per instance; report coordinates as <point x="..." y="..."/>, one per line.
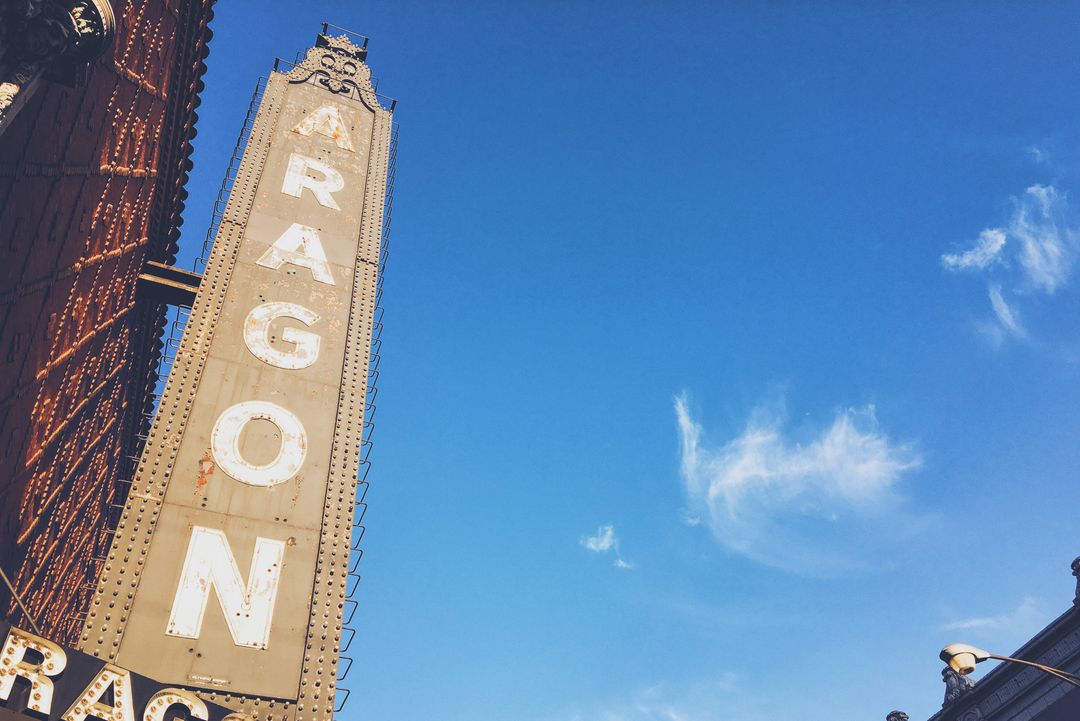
<point x="228" y="571"/>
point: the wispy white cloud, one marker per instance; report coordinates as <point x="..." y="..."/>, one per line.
<point x="1047" y="244"/>
<point x="718" y="620"/>
<point x="605" y="540"/>
<point x="688" y="518"/>
<point x="1034" y="252"/>
<point x="987" y="251"/>
<point x="1019" y="621"/>
<point x="1009" y="318"/>
<point x="1038" y="154"/>
<point x="787" y="504"/>
<point x="718" y="698"/>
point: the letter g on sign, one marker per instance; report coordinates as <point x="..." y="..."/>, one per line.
<point x="305" y="349"/>
<point x="225" y="443"/>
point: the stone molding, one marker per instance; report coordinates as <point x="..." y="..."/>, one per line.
<point x="51" y="40"/>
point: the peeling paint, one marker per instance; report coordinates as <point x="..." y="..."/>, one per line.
<point x="206" y="469"/>
<point x="296" y="496"/>
<point x="326" y="120"/>
<point x="302" y="246"/>
<point x="297" y="178"/>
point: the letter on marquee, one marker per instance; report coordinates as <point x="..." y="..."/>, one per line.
<point x="225" y="443"/>
<point x="166" y="698"/>
<point x="296" y="179"/>
<point x="326" y="121"/>
<point x="13" y="664"/>
<point x="257" y="335"/>
<point x="299" y="245"/>
<point x="89" y="704"/>
<point x="248" y="608"/>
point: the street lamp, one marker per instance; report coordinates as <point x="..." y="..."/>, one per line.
<point x="962" y="659"/>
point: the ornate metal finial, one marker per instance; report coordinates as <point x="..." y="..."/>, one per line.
<point x="341" y="44"/>
<point x="337" y="64"/>
<point x="897" y="716"/>
<point x="956" y="686"/>
<point x="1076" y="572"/>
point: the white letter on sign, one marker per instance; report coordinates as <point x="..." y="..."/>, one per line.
<point x="299" y="245"/>
<point x="257" y="335"/>
<point x="248" y="608"/>
<point x="225" y="443"/>
<point x="53" y="661"/>
<point x="326" y="121"/>
<point x="296" y="179"/>
<point x="89" y="704"/>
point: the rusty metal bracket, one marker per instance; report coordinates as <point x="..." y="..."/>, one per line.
<point x="168" y="284"/>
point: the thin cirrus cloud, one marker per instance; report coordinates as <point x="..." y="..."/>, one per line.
<point x="1019" y="623"/>
<point x="605" y="541"/>
<point x="986" y="252"/>
<point x="1034" y="253"/>
<point x="795" y="506"/>
<point x="1006" y="315"/>
<point x="1047" y="245"/>
<point x="721" y="697"/>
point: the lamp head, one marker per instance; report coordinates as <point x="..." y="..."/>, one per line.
<point x="962" y="657"/>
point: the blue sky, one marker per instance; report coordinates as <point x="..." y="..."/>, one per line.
<point x="731" y="361"/>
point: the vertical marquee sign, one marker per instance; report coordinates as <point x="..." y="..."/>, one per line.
<point x="228" y="570"/>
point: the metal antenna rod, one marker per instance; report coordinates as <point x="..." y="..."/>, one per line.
<point x="18" y="600"/>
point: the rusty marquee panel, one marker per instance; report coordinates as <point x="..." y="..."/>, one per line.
<point x="205" y="474"/>
<point x="91" y="187"/>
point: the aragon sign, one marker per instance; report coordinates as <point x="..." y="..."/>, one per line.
<point x="228" y="570"/>
<point x="40" y="679"/>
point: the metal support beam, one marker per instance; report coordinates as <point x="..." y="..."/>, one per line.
<point x="168" y="284"/>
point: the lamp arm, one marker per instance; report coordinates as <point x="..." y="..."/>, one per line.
<point x="1055" y="672"/>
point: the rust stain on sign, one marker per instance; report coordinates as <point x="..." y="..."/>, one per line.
<point x="206" y="469"/>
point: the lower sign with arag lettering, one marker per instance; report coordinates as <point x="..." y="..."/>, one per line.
<point x="40" y="679"/>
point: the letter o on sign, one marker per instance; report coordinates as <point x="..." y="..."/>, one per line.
<point x="225" y="443"/>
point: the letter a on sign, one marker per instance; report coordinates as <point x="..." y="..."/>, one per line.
<point x="299" y="245"/>
<point x="93" y="704"/>
<point x="326" y="121"/>
<point x="248" y="608"/>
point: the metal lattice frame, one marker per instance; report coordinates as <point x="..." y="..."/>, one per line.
<point x="370" y="406"/>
